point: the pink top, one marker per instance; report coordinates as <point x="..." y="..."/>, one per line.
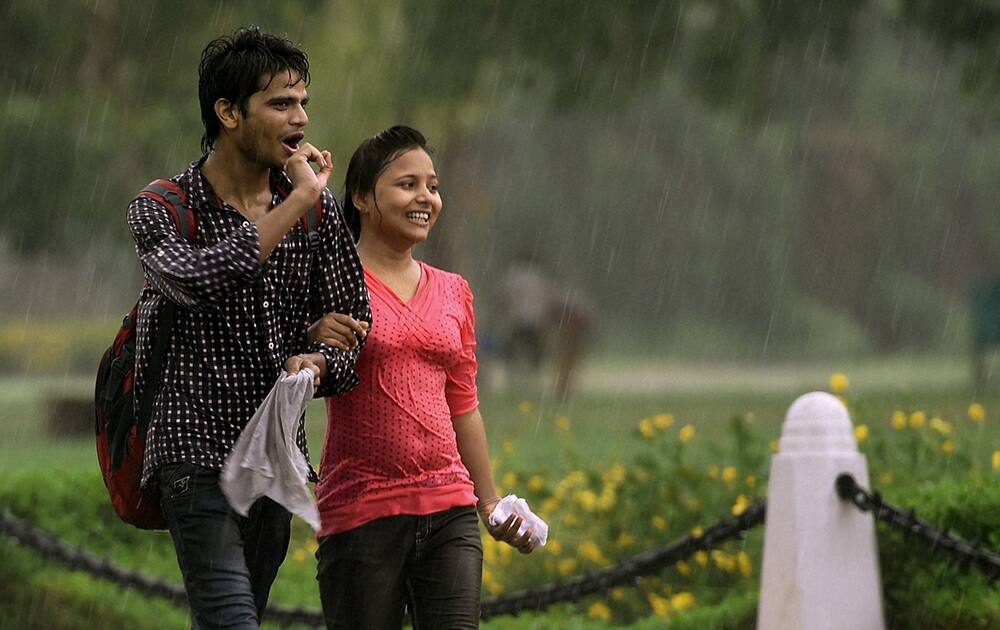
<point x="390" y="444"/>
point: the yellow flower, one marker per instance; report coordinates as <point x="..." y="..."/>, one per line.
<point x="507" y="447"/>
<point x="566" y="566"/>
<point x="701" y="558"/>
<point x="554" y="546"/>
<point x="885" y="478"/>
<point x="509" y="480"/>
<point x="646" y="428"/>
<point x="713" y="472"/>
<point x="569" y="520"/>
<point x="741" y="505"/>
<point x="743" y="562"/>
<point x="861" y="433"/>
<point x="660" y="605"/>
<point x="775" y="446"/>
<point x="686" y="433"/>
<point x="683" y="567"/>
<point x="917" y="419"/>
<point x="996" y="460"/>
<point x="562" y="423"/>
<point x="839" y="383"/>
<point x="663" y="421"/>
<point x="723" y="560"/>
<point x="299" y="555"/>
<point x="536" y="483"/>
<point x="599" y="611"/>
<point x="729" y="474"/>
<point x="526" y="407"/>
<point x="659" y="522"/>
<point x="976" y="412"/>
<point x="550" y="505"/>
<point x="617" y="594"/>
<point x="751" y="481"/>
<point x="941" y="426"/>
<point x="590" y="551"/>
<point x="625" y="540"/>
<point x="898" y="420"/>
<point x="587" y="500"/>
<point x="947" y="447"/>
<point x="697" y="531"/>
<point x="607" y="500"/>
<point x="312" y="545"/>
<point x="682" y="601"/>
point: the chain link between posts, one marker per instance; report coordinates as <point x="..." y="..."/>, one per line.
<point x="625" y="572"/>
<point x="965" y="554"/>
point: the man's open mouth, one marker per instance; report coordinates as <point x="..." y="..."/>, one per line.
<point x="291" y="141"/>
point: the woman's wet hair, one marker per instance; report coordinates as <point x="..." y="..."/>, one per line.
<point x="371" y="158"/>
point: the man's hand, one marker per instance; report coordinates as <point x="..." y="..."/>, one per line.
<point x="315" y="362"/>
<point x="310" y="183"/>
<point x="338" y="331"/>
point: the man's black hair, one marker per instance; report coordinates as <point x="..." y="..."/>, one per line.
<point x="371" y="158"/>
<point x="232" y="67"/>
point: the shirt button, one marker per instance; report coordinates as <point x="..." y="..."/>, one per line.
<point x="265" y="304"/>
<point x="246" y="224"/>
<point x="270" y="346"/>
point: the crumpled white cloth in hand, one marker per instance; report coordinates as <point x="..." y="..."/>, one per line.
<point x="511" y="504"/>
<point x="266" y="461"/>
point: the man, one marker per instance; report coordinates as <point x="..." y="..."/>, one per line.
<point x="246" y="285"/>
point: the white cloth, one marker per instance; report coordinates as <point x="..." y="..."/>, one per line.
<point x="511" y="504"/>
<point x="265" y="460"/>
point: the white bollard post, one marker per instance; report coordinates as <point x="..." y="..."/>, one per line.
<point x="820" y="569"/>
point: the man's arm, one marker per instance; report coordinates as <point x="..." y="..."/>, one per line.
<point x="337" y="285"/>
<point x="193" y="277"/>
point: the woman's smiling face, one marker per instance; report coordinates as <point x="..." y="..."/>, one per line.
<point x="406" y="201"/>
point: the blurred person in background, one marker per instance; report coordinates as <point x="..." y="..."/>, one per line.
<point x="406" y="466"/>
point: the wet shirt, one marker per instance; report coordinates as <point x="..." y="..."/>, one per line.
<point x="390" y="446"/>
<point x="239" y="319"/>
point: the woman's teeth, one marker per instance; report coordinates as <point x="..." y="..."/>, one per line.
<point x="419" y="216"/>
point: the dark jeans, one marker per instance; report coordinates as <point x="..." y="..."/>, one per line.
<point x="433" y="564"/>
<point x="228" y="561"/>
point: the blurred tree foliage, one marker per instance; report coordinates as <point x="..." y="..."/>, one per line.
<point x="764" y="169"/>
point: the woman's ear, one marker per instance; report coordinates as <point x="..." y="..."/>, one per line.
<point x="361" y="202"/>
<point x="229" y="115"/>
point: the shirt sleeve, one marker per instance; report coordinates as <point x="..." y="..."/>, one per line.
<point x="193" y="277"/>
<point x="460" y="387"/>
<point x="337" y="284"/>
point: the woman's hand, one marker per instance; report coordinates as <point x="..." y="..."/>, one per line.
<point x="338" y="331"/>
<point x="506" y="531"/>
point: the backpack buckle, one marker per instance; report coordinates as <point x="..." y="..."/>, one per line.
<point x="313" y="240"/>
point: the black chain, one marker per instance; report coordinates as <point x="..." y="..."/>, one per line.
<point x="626" y="571"/>
<point x="965" y="553"/>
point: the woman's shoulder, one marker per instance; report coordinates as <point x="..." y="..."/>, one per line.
<point x="445" y="278"/>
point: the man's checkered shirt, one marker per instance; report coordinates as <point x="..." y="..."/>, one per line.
<point x="239" y="319"/>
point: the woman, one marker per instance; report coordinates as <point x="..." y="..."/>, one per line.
<point x="405" y="467"/>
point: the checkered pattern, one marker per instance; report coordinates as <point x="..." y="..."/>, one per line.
<point x="239" y="319"/>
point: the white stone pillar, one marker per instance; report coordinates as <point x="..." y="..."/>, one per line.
<point x="820" y="569"/>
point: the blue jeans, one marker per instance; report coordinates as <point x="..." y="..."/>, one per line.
<point x="433" y="564"/>
<point x="228" y="561"/>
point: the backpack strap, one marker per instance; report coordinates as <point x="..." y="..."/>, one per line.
<point x="311" y="220"/>
<point x="172" y="197"/>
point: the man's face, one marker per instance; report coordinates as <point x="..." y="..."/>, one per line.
<point x="275" y="119"/>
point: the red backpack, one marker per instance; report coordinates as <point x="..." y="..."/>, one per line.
<point x="121" y="421"/>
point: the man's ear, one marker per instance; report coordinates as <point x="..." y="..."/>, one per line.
<point x="228" y="113"/>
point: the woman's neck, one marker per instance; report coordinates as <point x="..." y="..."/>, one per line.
<point x="378" y="256"/>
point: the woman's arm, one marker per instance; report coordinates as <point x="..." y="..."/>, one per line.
<point x="471" y="437"/>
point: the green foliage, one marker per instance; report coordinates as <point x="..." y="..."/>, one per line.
<point x="923" y="589"/>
